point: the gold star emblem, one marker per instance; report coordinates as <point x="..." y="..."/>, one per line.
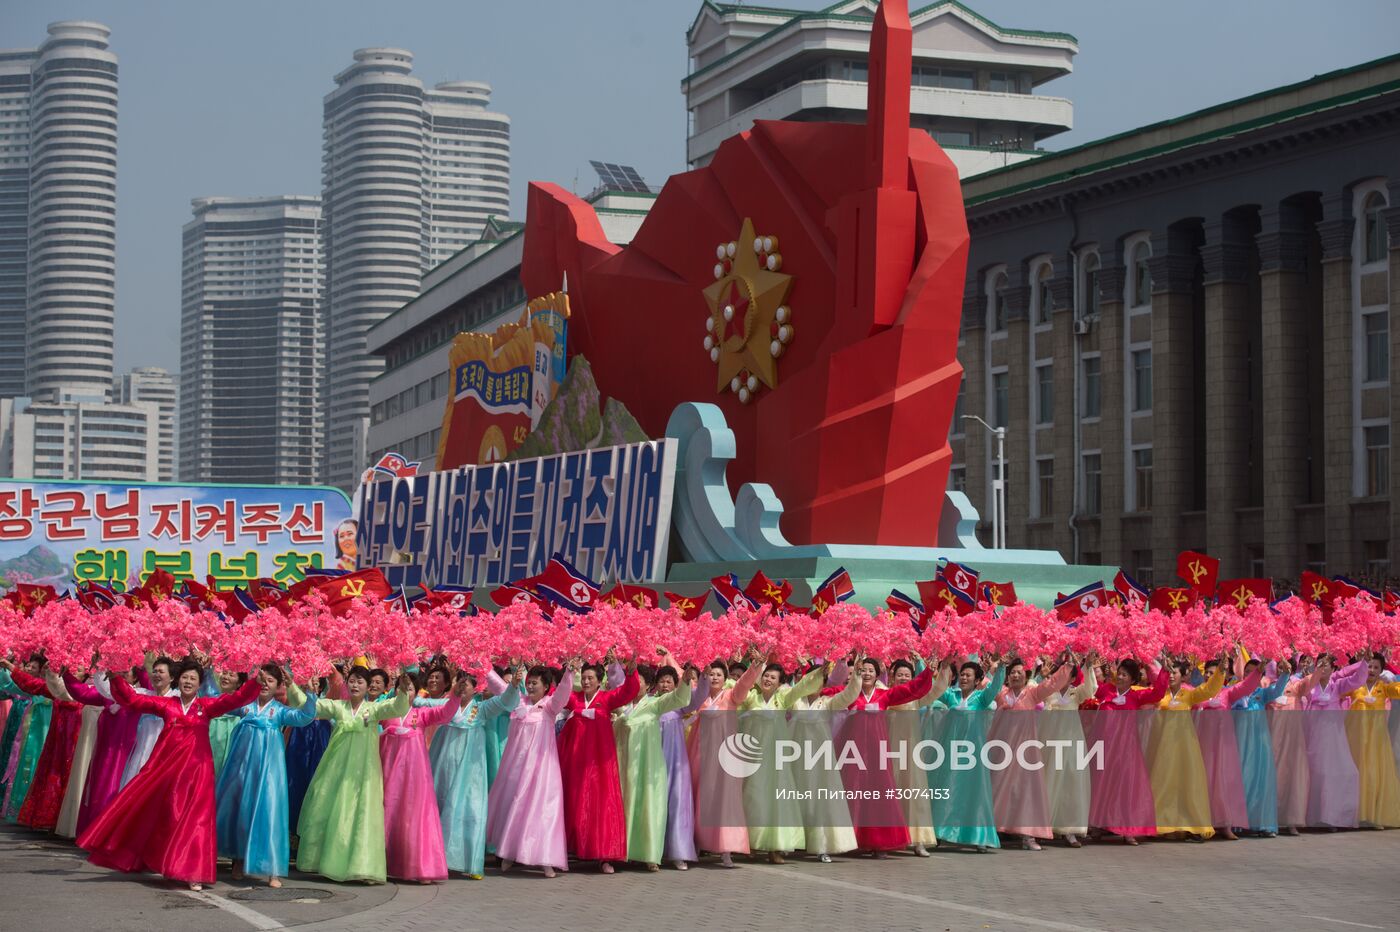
<point x="754" y="293"/>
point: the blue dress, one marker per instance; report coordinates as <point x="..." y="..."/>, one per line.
<point x="251" y="818"/>
<point x="459" y="757"/>
<point x="304" y="749"/>
<point x="1257" y="755"/>
<point x="965" y="817"/>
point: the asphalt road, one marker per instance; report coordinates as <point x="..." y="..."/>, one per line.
<point x="1342" y="881"/>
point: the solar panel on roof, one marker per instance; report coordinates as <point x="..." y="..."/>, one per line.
<point x="615" y="177"/>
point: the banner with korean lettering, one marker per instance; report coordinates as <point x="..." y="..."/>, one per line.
<point x="608" y="511"/>
<point x="62" y="533"/>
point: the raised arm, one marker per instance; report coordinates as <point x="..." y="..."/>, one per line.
<point x="1244" y="687"/>
<point x="438" y="715"/>
<point x="209" y="683"/>
<point x="1089" y="687"/>
<point x="56" y="688"/>
<point x="494" y="684"/>
<point x="220" y="705"/>
<point x="1346" y="679"/>
<point x="396" y="707"/>
<point x="143" y="678"/>
<point x="30" y="684"/>
<point x="125" y="696"/>
<point x="1207" y="690"/>
<point x="614" y="699"/>
<point x="982" y="699"/>
<point x="678" y="698"/>
<point x="846" y="696"/>
<point x="1050" y="685"/>
<point x="698" y="695"/>
<point x="300" y="708"/>
<point x="1152" y="695"/>
<point x="810" y="684"/>
<point x="86" y="693"/>
<point x="916" y="688"/>
<point x="555" y="701"/>
<point x="740" y="690"/>
<point x="503" y="703"/>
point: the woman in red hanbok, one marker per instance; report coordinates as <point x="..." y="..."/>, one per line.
<point x="163" y="820"/>
<point x="595" y="823"/>
<point x="50" y="780"/>
<point x="876" y="811"/>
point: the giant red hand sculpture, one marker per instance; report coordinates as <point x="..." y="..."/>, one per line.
<point x="822" y="266"/>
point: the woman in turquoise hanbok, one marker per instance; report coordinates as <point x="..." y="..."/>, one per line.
<point x="963" y="815"/>
<point x="251" y="793"/>
<point x="460" y="756"/>
<point x="29" y="744"/>
<point x="1257" y="751"/>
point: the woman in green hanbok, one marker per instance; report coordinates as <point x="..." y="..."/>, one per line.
<point x="771" y="805"/>
<point x="29" y="744"/>
<point x="645" y="788"/>
<point x="459" y="757"/>
<point x="963" y="815"/>
<point x="341" y="827"/>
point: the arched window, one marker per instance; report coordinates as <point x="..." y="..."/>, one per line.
<point x="1089" y="299"/>
<point x="1044" y="295"/>
<point x="998" y="298"/>
<point x="1142" y="275"/>
<point x="1377" y="239"/>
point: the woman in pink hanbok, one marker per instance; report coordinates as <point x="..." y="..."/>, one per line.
<point x="1121" y="800"/>
<point x="1291" y="748"/>
<point x="1215" y="732"/>
<point x="525" y="809"/>
<point x="1019" y="799"/>
<point x="720" y="824"/>
<point x="412" y="824"/>
<point x="1334" y="783"/>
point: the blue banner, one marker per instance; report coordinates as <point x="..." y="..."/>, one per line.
<point x="608" y="511"/>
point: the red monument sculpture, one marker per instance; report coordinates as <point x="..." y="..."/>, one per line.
<point x="809" y="282"/>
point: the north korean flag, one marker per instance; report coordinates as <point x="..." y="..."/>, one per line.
<point x="458" y="597"/>
<point x="95" y="597"/>
<point x="961" y="579"/>
<point x="899" y="602"/>
<point x="563" y="584"/>
<point x="1081" y="601"/>
<point x="729" y="594"/>
<point x="837" y="587"/>
<point x="1130" y="589"/>
<point x="394" y="465"/>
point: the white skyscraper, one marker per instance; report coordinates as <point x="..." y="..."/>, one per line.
<point x="409" y="177"/>
<point x="251" y="347"/>
<point x="151" y="385"/>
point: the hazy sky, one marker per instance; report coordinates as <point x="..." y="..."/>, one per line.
<point x="225" y="98"/>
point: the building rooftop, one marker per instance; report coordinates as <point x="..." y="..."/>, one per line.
<point x="1274" y="106"/>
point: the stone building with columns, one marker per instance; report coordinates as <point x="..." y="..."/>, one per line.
<point x="1185" y="330"/>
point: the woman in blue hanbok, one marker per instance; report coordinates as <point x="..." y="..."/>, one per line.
<point x="251" y="794"/>
<point x="964" y="816"/>
<point x="459" y="757"/>
<point x="1257" y="750"/>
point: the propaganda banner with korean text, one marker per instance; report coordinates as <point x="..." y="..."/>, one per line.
<point x="607" y="511"/>
<point x="63" y="533"/>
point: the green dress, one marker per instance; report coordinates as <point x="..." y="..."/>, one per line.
<point x="645" y="788"/>
<point x="773" y="811"/>
<point x="33" y="730"/>
<point x="341" y="828"/>
<point x="965" y="816"/>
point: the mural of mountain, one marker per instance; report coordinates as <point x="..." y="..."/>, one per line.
<point x="40" y="563"/>
<point x="572" y="421"/>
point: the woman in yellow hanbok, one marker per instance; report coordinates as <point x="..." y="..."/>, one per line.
<point x="1177" y="770"/>
<point x="1369" y="738"/>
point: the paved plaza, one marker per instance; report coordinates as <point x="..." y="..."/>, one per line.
<point x="1318" y="882"/>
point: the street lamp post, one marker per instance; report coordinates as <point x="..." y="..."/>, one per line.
<point x="998" y="484"/>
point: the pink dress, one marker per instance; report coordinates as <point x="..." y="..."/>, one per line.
<point x="1019" y="798"/>
<point x="1334" y="783"/>
<point x="525" y="809"/>
<point x="720" y="824"/>
<point x="412" y="826"/>
<point x="1215" y="731"/>
<point x="1121" y="799"/>
<point x="1291" y="752"/>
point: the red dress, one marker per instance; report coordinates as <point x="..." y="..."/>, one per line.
<point x="879" y="821"/>
<point x="595" y="825"/>
<point x="163" y="820"/>
<point x="51" y="771"/>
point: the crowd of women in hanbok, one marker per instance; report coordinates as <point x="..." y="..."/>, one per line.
<point x="434" y="771"/>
